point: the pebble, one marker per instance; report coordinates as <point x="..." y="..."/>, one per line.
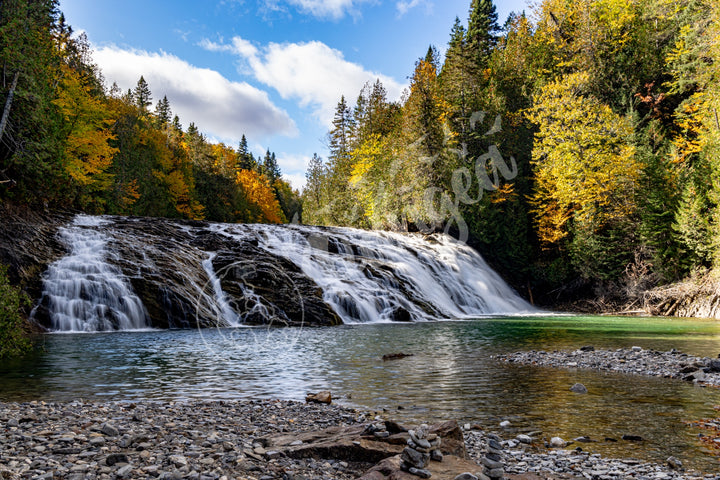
<point x="636" y="360"/>
<point x="197" y="439"/>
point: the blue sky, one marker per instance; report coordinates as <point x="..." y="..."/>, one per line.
<point x="273" y="70"/>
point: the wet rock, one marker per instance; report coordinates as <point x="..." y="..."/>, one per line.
<point x="557" y="442"/>
<point x="320" y="397"/>
<point x="579" y="388"/>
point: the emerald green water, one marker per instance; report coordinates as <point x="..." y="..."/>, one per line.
<point x="450" y="375"/>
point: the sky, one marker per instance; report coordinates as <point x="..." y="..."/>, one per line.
<point x="273" y="70"/>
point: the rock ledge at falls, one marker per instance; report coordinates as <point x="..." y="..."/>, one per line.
<point x="102" y="273"/>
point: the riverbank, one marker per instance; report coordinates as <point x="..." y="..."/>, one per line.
<point x="225" y="440"/>
<point x="669" y="364"/>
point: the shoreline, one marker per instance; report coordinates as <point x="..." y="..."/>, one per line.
<point x="222" y="440"/>
<point x="636" y="360"/>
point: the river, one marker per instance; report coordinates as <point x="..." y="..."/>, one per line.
<point x="450" y="374"/>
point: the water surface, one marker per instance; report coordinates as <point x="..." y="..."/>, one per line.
<point x="450" y="374"/>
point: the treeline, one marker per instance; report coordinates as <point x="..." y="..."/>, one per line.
<point x="67" y="142"/>
<point x="576" y="146"/>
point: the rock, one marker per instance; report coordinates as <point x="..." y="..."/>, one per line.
<point x="587" y="348"/>
<point x="637" y="349"/>
<point x="713" y="366"/>
<point x="674" y="463"/>
<point x="178" y="460"/>
<point x="320" y="397"/>
<point x="124" y="471"/>
<point x="114" y="458"/>
<point x="632" y="438"/>
<point x="420" y="472"/>
<point x="583" y="439"/>
<point x="505" y="424"/>
<point x="579" y="388"/>
<point x="109" y="430"/>
<point x="557" y="442"/>
<point x="414" y="458"/>
<point x="396" y="356"/>
<point x="524" y="439"/>
<point x="466" y="476"/>
<point x="436" y="456"/>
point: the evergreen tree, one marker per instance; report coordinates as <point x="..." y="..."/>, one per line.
<point x="246" y="161"/>
<point x="270" y="167"/>
<point x="482" y="30"/>
<point x="142" y="94"/>
<point x="163" y="112"/>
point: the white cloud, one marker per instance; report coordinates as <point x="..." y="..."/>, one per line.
<point x="334" y="9"/>
<point x="404" y="6"/>
<point x="312" y="73"/>
<point x="219" y="107"/>
<point x="296" y="180"/>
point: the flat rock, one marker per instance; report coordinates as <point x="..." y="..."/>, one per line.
<point x="448" y="469"/>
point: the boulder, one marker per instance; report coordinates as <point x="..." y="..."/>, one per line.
<point x="320" y="397"/>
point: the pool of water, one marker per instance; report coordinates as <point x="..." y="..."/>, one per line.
<point x="450" y="374"/>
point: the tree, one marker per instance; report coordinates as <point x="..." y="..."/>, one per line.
<point x="163" y="112"/>
<point x="142" y="94"/>
<point x="270" y="167"/>
<point x="482" y="30"/>
<point x="586" y="171"/>
<point x="14" y="339"/>
<point x="245" y="158"/>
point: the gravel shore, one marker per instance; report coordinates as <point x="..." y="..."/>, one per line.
<point x="636" y="360"/>
<point x="223" y="440"/>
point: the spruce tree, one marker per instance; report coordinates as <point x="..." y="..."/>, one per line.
<point x="482" y="30"/>
<point x="163" y="112"/>
<point x="142" y="94"/>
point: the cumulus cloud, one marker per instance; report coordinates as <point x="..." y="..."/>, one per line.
<point x="219" y="107"/>
<point x="334" y="9"/>
<point x="311" y="73"/>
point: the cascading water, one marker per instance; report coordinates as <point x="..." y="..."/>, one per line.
<point x="84" y="293"/>
<point x="133" y="273"/>
<point x="383" y="276"/>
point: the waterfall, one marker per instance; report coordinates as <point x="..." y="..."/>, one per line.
<point x="383" y="276"/>
<point x="132" y="273"/>
<point x="82" y="292"/>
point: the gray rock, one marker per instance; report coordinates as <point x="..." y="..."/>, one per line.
<point x="420" y="472"/>
<point x="491" y="464"/>
<point x="557" y="442"/>
<point x="124" y="471"/>
<point x="466" y="476"/>
<point x="579" y="388"/>
<point x="109" y="430"/>
<point x="674" y="463"/>
<point x="178" y="460"/>
<point x="524" y="439"/>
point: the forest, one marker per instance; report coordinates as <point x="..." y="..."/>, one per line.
<point x="68" y="142"/>
<point x="576" y="146"/>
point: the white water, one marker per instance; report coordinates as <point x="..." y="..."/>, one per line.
<point x="373" y="274"/>
<point x="82" y="291"/>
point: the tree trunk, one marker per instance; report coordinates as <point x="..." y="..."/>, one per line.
<point x="8" y="103"/>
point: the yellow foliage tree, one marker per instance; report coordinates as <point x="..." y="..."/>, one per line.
<point x="585" y="169"/>
<point x="258" y="191"/>
<point x="88" y="120"/>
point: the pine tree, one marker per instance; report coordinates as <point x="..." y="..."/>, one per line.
<point x="270" y="167"/>
<point x="163" y="112"/>
<point x="246" y="161"/>
<point x="482" y="30"/>
<point x="142" y="94"/>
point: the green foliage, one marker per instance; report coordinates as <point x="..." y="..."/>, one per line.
<point x="606" y="111"/>
<point x="14" y="339"/>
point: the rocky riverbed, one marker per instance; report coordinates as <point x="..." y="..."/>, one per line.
<point x="237" y="440"/>
<point x="636" y="360"/>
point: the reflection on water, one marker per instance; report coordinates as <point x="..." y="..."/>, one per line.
<point x="450" y="375"/>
